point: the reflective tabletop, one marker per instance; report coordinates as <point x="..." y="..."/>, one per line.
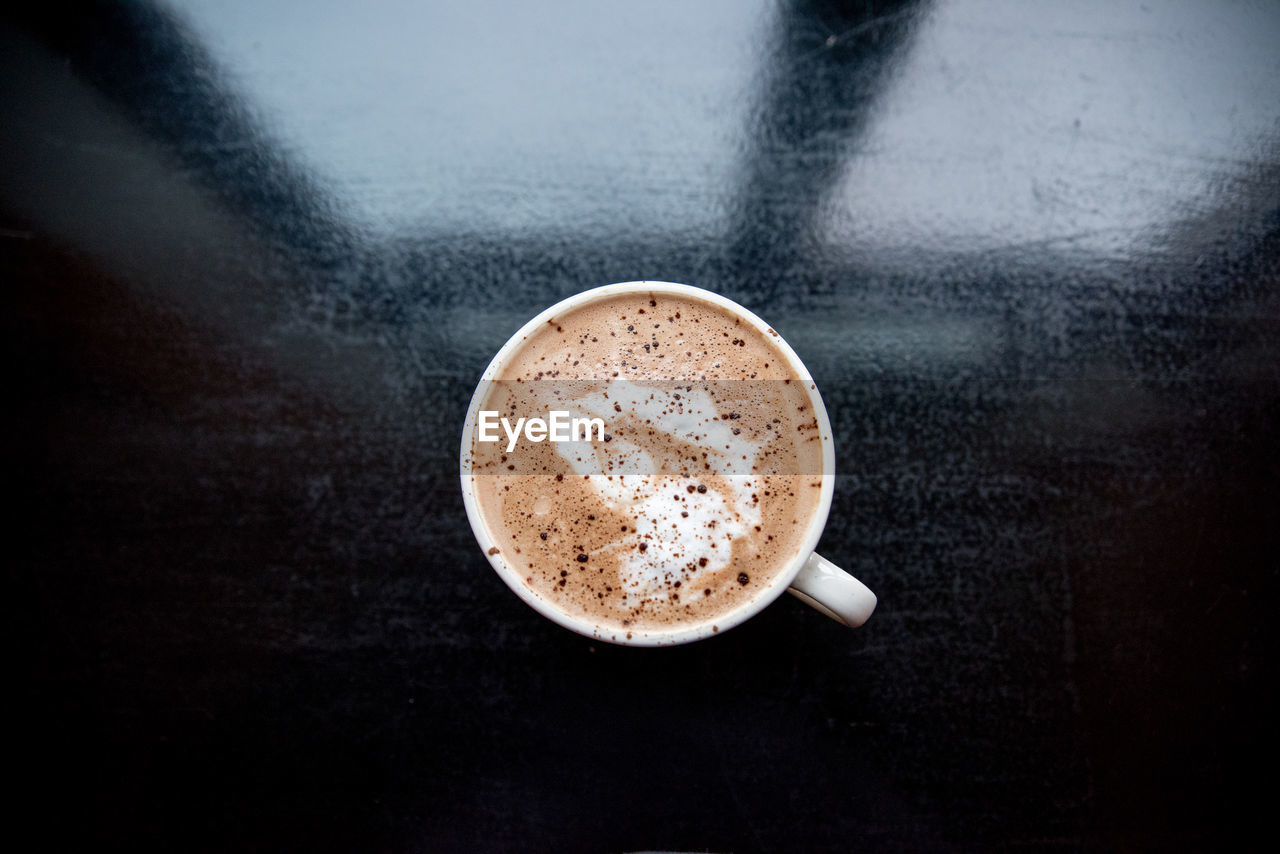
<point x="256" y="256"/>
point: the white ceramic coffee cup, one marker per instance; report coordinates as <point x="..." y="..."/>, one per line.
<point x="806" y="575"/>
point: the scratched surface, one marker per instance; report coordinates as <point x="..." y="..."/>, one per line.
<point x="255" y="256"/>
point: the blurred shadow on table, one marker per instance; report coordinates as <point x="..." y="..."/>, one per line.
<point x="828" y="67"/>
<point x="236" y="419"/>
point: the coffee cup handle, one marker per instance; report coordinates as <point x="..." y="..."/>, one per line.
<point x="833" y="591"/>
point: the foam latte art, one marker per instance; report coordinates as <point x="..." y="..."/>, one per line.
<point x="703" y="485"/>
<point x="686" y="533"/>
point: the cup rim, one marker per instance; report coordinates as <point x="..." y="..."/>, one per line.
<point x="648" y="637"/>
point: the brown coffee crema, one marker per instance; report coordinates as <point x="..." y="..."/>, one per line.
<point x="699" y="492"/>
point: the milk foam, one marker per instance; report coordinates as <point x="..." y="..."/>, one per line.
<point x="686" y="534"/>
<point x="687" y="414"/>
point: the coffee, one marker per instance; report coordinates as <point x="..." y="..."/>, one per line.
<point x="687" y="470"/>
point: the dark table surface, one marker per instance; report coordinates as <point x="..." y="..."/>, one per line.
<point x="255" y="256"/>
